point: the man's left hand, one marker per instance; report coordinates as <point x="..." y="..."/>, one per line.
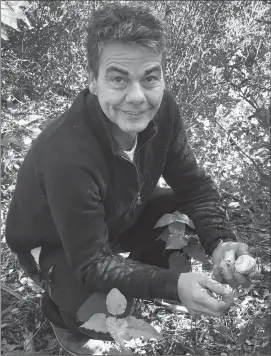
<point x="224" y="257"/>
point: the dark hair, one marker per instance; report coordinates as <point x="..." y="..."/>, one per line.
<point x="124" y="24"/>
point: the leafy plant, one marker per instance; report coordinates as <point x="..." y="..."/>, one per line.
<point x="177" y="237"/>
<point x="121" y="329"/>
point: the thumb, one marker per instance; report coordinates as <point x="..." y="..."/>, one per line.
<point x="242" y="249"/>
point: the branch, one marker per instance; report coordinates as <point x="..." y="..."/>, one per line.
<point x="264" y="176"/>
<point x="263" y="21"/>
<point x="10" y="291"/>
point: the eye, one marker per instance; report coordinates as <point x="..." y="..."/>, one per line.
<point x="151" y="78"/>
<point x="117" y="80"/>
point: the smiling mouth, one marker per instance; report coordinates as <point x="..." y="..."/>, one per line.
<point x="133" y="113"/>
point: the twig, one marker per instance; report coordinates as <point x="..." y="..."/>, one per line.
<point x="256" y="166"/>
<point x="10" y="291"/>
<point x="4" y="325"/>
<point x="33" y="336"/>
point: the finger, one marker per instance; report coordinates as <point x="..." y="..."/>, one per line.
<point x="242" y="280"/>
<point x="212" y="304"/>
<point x="217" y="274"/>
<point x="215" y="287"/>
<point x="242" y="249"/>
<point x="229" y="255"/>
<point x="205" y="311"/>
<point x="256" y="275"/>
<point x="226" y="268"/>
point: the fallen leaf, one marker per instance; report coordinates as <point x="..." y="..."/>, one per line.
<point x="35" y="252"/>
<point x="139" y="328"/>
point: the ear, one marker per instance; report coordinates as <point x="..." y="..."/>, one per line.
<point x="92" y="83"/>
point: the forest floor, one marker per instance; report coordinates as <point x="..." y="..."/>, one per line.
<point x="245" y="330"/>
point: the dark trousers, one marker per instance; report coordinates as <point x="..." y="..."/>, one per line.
<point x="73" y="300"/>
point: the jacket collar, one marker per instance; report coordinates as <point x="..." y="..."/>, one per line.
<point x="102" y="128"/>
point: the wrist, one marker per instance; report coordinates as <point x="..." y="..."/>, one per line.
<point x="217" y="243"/>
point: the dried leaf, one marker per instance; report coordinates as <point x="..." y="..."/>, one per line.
<point x="116" y="302"/>
<point x="139" y="328"/>
<point x="97" y="347"/>
<point x="35" y="252"/>
<point x="97" y="323"/>
<point x="4" y="33"/>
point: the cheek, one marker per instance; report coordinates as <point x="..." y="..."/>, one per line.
<point x="155" y="99"/>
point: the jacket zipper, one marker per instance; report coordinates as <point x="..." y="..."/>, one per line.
<point x="138" y="198"/>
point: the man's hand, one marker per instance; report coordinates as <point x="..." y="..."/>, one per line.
<point x="194" y="290"/>
<point x="224" y="257"/>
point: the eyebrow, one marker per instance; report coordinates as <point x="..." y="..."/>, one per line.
<point x="155" y="68"/>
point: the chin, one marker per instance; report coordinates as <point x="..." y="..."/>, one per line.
<point x="135" y="130"/>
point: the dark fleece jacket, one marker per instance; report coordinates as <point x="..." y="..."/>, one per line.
<point x="78" y="190"/>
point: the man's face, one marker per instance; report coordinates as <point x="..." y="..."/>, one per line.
<point x="130" y="86"/>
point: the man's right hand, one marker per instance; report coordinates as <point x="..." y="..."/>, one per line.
<point x="194" y="290"/>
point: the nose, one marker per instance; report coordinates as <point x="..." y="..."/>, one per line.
<point x="135" y="94"/>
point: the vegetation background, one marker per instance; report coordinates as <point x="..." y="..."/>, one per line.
<point x="218" y="69"/>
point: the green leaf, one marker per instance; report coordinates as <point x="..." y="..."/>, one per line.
<point x="179" y="263"/>
<point x="168" y="219"/>
<point x="247" y="332"/>
<point x="164" y="220"/>
<point x="177" y="227"/>
<point x="116" y="302"/>
<point x="223" y="329"/>
<point x="139" y="328"/>
<point x="183" y="218"/>
<point x="194" y="250"/>
<point x="164" y="235"/>
<point x="97" y="323"/>
<point x="176" y="242"/>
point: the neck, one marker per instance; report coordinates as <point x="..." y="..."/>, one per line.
<point x="124" y="139"/>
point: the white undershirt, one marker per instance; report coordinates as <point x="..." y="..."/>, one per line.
<point x="130" y="153"/>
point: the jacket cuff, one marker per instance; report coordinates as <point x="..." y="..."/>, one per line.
<point x="163" y="285"/>
<point x="210" y="249"/>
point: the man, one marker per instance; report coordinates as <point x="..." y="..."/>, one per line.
<point x="86" y="190"/>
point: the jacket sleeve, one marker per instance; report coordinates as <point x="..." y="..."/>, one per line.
<point x="78" y="213"/>
<point x="194" y="189"/>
